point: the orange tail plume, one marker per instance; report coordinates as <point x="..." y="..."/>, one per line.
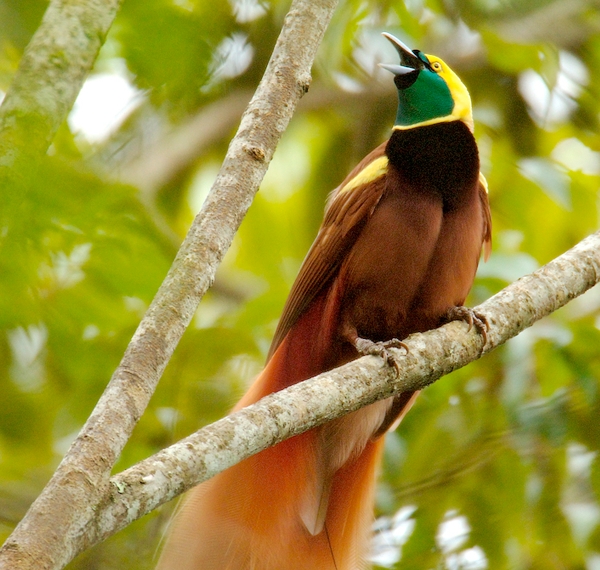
<point x="305" y="503"/>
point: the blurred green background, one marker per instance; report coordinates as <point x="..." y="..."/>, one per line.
<point x="497" y="465"/>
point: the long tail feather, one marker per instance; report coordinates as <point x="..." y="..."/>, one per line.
<point x="250" y="517"/>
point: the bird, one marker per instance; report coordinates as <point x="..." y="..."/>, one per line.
<point x="396" y="254"/>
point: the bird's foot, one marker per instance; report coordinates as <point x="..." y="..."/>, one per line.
<point x="368" y="347"/>
<point x="471" y="317"/>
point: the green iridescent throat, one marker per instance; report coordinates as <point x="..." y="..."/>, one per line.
<point x="427" y="98"/>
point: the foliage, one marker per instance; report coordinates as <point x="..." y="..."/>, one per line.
<point x="496" y="466"/>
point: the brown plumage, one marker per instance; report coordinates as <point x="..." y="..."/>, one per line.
<point x="398" y="248"/>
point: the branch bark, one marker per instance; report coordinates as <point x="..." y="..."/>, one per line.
<point x="51" y="73"/>
<point x="158" y="479"/>
<point x="52" y="531"/>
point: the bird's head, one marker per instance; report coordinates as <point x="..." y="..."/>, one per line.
<point x="429" y="92"/>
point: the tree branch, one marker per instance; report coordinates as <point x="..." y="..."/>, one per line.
<point x="52" y="531"/>
<point x="158" y="479"/>
<point x="51" y="73"/>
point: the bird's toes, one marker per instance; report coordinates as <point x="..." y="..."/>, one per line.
<point x="367" y="347"/>
<point x="395" y="343"/>
<point x="471" y="317"/>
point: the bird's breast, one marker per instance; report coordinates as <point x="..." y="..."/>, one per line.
<point x="439" y="159"/>
<point x="418" y="252"/>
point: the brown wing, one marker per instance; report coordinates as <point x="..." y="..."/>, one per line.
<point x="347" y="211"/>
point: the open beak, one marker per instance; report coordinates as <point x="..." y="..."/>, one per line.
<point x="409" y="62"/>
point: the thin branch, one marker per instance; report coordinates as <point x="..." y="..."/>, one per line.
<point x="539" y="25"/>
<point x="156" y="480"/>
<point x="178" y="149"/>
<point x="472" y="458"/>
<point x="52" y="531"/>
<point x="182" y="146"/>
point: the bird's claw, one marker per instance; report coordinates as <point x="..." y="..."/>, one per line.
<point x="471" y="317"/>
<point x="368" y="347"/>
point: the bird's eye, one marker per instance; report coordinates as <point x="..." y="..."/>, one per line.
<point x="436" y="66"/>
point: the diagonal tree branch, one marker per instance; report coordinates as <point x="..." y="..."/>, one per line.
<point x="141" y="488"/>
<point x="51" y="532"/>
<point x="51" y="72"/>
